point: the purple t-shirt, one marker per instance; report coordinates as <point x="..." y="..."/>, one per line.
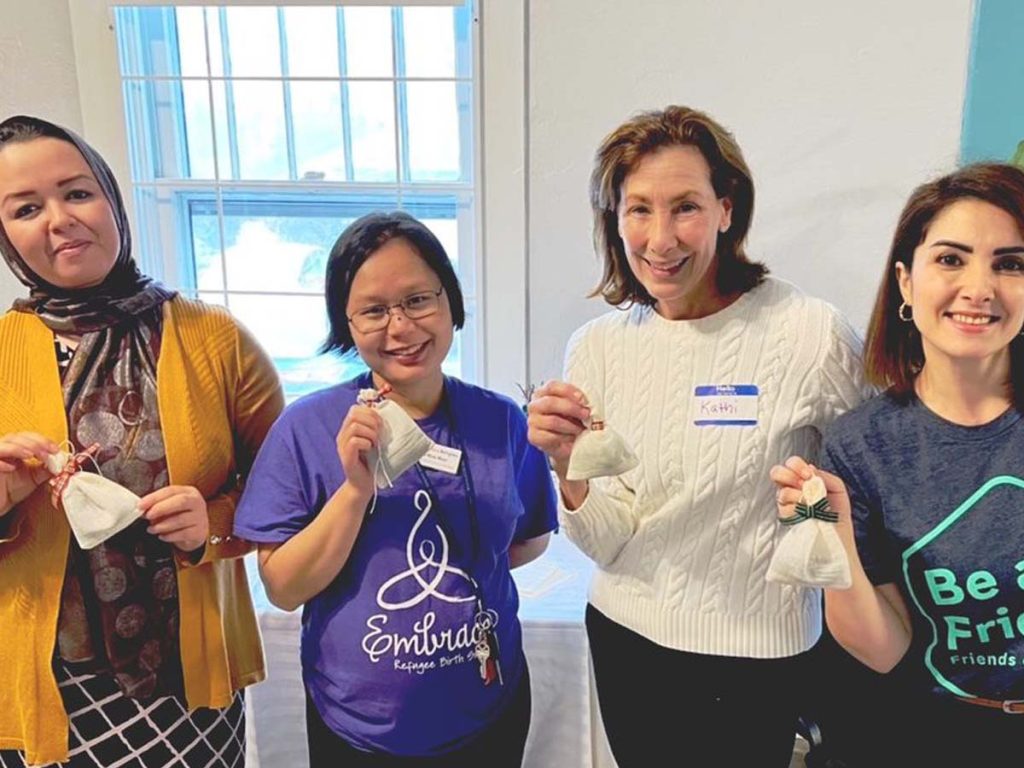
<point x="387" y="647"/>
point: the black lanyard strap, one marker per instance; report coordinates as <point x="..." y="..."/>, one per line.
<point x="466" y="474"/>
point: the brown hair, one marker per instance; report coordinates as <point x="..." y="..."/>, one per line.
<point x="893" y="354"/>
<point x="621" y="152"/>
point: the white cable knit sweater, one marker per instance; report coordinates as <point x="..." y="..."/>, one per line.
<point x="683" y="541"/>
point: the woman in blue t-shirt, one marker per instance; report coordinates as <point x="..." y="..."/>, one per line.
<point x="928" y="478"/>
<point x="411" y="648"/>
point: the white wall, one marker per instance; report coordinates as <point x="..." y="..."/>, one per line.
<point x="37" y="76"/>
<point x="840" y="108"/>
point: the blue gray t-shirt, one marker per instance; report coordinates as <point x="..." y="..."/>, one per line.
<point x="387" y="648"/>
<point x="938" y="509"/>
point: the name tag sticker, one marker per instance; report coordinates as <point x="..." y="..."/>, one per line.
<point x="443" y="459"/>
<point x="725" y="405"/>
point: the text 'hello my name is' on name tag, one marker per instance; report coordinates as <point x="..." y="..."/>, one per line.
<point x="443" y="459"/>
<point x="725" y="405"/>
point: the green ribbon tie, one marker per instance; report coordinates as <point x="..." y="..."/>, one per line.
<point x="819" y="510"/>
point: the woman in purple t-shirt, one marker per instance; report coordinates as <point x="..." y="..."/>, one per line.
<point x="411" y="649"/>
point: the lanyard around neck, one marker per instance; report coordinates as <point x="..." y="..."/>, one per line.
<point x="467" y="484"/>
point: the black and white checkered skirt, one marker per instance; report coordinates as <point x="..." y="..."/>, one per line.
<point x="109" y="730"/>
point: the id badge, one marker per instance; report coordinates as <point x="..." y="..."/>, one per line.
<point x="442" y="458"/>
<point x="725" y="405"/>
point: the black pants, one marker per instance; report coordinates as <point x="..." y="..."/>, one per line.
<point x="948" y="733"/>
<point x="663" y="707"/>
<point x="855" y="709"/>
<point x="500" y="746"/>
<point x="926" y="730"/>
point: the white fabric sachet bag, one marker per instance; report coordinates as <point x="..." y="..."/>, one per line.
<point x="402" y="442"/>
<point x="810" y="553"/>
<point x="599" y="451"/>
<point x="96" y="508"/>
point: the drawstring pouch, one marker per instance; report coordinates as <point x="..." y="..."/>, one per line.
<point x="402" y="443"/>
<point x="599" y="451"/>
<point x="96" y="508"/>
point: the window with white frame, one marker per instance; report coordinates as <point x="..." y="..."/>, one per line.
<point x="257" y="134"/>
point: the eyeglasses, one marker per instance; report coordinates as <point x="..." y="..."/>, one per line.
<point x="415" y="306"/>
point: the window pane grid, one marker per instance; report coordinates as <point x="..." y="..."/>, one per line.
<point x="315" y="294"/>
<point x="307" y="187"/>
<point x="258" y="81"/>
<point x="249" y="165"/>
<point x="295" y="79"/>
<point x="401" y="103"/>
<point x="289" y="118"/>
<point x="343" y="76"/>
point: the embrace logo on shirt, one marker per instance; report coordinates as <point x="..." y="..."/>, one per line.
<point x="966" y="577"/>
<point x="434" y="642"/>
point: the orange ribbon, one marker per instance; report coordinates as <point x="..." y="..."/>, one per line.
<point x="74" y="465"/>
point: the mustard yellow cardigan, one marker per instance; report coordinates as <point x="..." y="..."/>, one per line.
<point x="218" y="395"/>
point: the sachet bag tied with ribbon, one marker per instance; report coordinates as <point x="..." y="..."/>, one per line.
<point x="96" y="508"/>
<point x="402" y="442"/>
<point x="599" y="451"/>
<point x="810" y="553"/>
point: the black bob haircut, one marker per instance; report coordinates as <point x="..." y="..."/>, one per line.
<point x="360" y="240"/>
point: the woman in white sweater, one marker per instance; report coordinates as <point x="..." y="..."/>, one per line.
<point x="712" y="372"/>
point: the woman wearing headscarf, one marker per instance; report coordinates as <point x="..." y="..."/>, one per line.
<point x="140" y="646"/>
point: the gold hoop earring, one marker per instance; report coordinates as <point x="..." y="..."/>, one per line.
<point x="906" y="318"/>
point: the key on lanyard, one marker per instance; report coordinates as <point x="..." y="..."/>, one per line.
<point x="486" y="650"/>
